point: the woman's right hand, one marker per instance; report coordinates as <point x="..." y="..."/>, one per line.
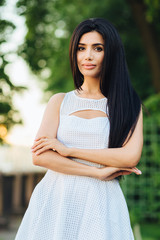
<point x="109" y="173"/>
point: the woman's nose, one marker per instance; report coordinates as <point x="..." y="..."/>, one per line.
<point x="88" y="55"/>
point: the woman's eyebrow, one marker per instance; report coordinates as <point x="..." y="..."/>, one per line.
<point x="95" y="44"/>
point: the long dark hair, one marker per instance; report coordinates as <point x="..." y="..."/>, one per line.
<point x="123" y="102"/>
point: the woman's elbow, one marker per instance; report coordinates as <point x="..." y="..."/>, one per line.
<point x="133" y="155"/>
<point x="134" y="159"/>
<point x="133" y="163"/>
<point x="35" y="159"/>
<point x="43" y="159"/>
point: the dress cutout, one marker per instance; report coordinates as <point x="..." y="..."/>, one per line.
<point x="69" y="207"/>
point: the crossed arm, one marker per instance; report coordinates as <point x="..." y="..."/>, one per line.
<point x="119" y="161"/>
<point x="126" y="156"/>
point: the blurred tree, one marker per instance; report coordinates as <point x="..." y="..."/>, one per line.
<point x="51" y="23"/>
<point x="147" y="17"/>
<point x="9" y="116"/>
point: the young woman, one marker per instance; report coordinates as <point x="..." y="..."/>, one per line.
<point x="88" y="137"/>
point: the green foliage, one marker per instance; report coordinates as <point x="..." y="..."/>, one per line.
<point x="150" y="231"/>
<point x="2" y="2"/>
<point x="50" y="25"/>
<point x="143" y="192"/>
<point x="153" y="8"/>
<point x="152" y="104"/>
<point x="9" y="116"/>
<point x="6" y="29"/>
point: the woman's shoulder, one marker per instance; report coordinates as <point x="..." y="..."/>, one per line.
<point x="55" y="101"/>
<point x="57" y="98"/>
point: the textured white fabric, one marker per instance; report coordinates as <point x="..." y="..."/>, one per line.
<point x="67" y="207"/>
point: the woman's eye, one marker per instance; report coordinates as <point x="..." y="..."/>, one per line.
<point x="99" y="49"/>
<point x="80" y="48"/>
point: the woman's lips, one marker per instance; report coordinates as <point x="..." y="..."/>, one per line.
<point x="89" y="66"/>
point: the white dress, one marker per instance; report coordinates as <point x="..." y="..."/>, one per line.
<point x="68" y="207"/>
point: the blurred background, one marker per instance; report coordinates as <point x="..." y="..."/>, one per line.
<point x="34" y="64"/>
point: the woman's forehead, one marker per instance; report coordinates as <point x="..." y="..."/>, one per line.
<point x="91" y="38"/>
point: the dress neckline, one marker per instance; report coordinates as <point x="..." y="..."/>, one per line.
<point x="93" y="99"/>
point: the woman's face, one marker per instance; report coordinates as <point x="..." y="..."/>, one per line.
<point x="90" y="54"/>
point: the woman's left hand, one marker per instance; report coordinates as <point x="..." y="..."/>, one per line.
<point x="43" y="144"/>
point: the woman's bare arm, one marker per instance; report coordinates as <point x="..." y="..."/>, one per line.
<point x="50" y="159"/>
<point x="126" y="156"/>
<point x="54" y="161"/>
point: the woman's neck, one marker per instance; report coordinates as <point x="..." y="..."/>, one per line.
<point x="91" y="86"/>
